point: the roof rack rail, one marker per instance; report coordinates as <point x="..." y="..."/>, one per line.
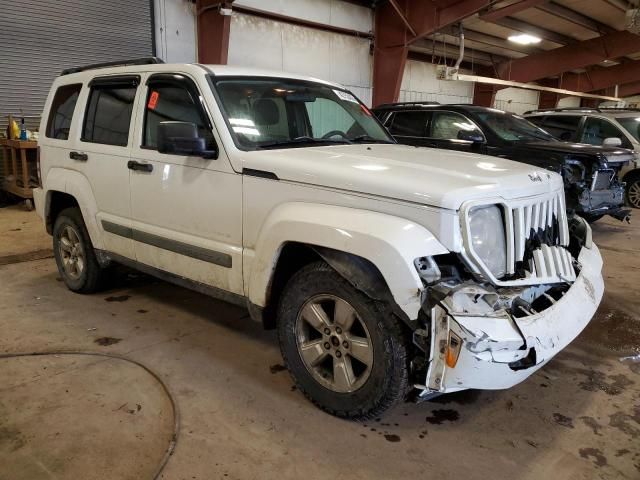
<point x="563" y="109"/>
<point x="403" y="104"/>
<point x="584" y="109"/>
<point x="116" y="63"/>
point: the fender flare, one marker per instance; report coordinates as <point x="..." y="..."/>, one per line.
<point x="75" y="184"/>
<point x="390" y="243"/>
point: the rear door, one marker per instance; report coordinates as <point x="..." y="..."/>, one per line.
<point x="186" y="210"/>
<point x="409" y="127"/>
<point x="102" y="152"/>
<point x="563" y="127"/>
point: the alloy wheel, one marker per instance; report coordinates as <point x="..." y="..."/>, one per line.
<point x="633" y="193"/>
<point x="334" y="343"/>
<point x="71" y="252"/>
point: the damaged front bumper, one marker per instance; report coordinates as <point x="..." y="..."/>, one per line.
<point x="477" y="342"/>
<point x="604" y="202"/>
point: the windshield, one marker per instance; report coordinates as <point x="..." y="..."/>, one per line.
<point x="282" y="113"/>
<point x="512" y="127"/>
<point x="631" y="125"/>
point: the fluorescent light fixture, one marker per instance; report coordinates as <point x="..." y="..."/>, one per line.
<point x="524" y="39"/>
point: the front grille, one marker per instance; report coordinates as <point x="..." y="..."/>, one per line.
<point x="602" y="180"/>
<point x="537" y="239"/>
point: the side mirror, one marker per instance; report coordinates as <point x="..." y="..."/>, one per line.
<point x="470" y="136"/>
<point x="181" y="138"/>
<point x="612" y="142"/>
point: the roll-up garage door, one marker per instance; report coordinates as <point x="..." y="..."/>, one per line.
<point x="39" y="38"/>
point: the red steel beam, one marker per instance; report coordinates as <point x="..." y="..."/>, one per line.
<point x="629" y="89"/>
<point x="563" y="59"/>
<point x="401" y="23"/>
<point x="603" y="77"/>
<point x="213" y="31"/>
<point x="498" y="13"/>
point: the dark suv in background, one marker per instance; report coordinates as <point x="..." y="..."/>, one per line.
<point x="590" y="172"/>
<point x="598" y="126"/>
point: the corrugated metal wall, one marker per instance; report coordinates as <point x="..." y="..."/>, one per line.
<point x="39" y="38"/>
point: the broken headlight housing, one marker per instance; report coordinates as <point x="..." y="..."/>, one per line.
<point x="488" y="241"/>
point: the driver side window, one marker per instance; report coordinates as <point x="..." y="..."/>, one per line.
<point x="596" y="130"/>
<point x="172" y="101"/>
<point x="452" y="126"/>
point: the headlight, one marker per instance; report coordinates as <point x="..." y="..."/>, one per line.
<point x="488" y="238"/>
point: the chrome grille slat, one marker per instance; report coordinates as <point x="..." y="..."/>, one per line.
<point x="538" y="237"/>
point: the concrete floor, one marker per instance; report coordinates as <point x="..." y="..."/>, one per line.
<point x="241" y="418"/>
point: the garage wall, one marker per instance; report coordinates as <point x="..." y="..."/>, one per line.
<point x="262" y="43"/>
<point x="175" y="30"/>
<point x="516" y="100"/>
<point x="569" y="102"/>
<point x="420" y="83"/>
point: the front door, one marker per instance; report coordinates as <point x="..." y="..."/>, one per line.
<point x="186" y="210"/>
<point x="454" y="131"/>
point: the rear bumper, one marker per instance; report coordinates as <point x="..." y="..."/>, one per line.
<point x="499" y="351"/>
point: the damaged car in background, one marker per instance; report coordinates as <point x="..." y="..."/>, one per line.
<point x="590" y="172"/>
<point x="388" y="271"/>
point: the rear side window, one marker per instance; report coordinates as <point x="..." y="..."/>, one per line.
<point x="61" y="112"/>
<point x="108" y="114"/>
<point x="409" y="124"/>
<point x="563" y="127"/>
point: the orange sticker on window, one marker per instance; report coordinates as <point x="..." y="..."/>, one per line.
<point x="153" y="100"/>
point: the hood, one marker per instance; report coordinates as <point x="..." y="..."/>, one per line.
<point x="441" y="178"/>
<point x="611" y="154"/>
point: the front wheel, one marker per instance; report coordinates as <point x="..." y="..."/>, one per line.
<point x="343" y="350"/>
<point x="633" y="191"/>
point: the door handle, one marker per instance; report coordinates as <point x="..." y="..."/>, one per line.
<point x="140" y="167"/>
<point x="81" y="157"/>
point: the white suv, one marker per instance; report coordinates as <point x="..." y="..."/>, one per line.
<point x="389" y="271"/>
<point x="617" y="127"/>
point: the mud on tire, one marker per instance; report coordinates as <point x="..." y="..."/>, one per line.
<point x="74" y="254"/>
<point x="379" y="376"/>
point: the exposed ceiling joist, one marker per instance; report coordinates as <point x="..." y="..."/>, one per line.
<point x="494" y="41"/>
<point x="498" y="13"/>
<point x="570" y="57"/>
<point x="600" y="78"/>
<point x="575" y="17"/>
<point x="524" y="27"/>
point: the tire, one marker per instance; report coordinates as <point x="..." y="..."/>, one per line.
<point x="591" y="218"/>
<point x="87" y="275"/>
<point x="632" y="190"/>
<point x="379" y="374"/>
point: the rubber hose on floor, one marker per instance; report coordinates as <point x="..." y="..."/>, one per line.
<point x="174" y="408"/>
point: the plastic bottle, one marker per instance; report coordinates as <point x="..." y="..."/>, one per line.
<point x="23" y="130"/>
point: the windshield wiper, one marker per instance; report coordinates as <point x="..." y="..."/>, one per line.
<point x="368" y="138"/>
<point x="300" y="141"/>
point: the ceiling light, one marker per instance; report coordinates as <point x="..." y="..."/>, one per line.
<point x="524" y="39"/>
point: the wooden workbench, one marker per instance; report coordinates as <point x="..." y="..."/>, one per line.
<point x="18" y="164"/>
